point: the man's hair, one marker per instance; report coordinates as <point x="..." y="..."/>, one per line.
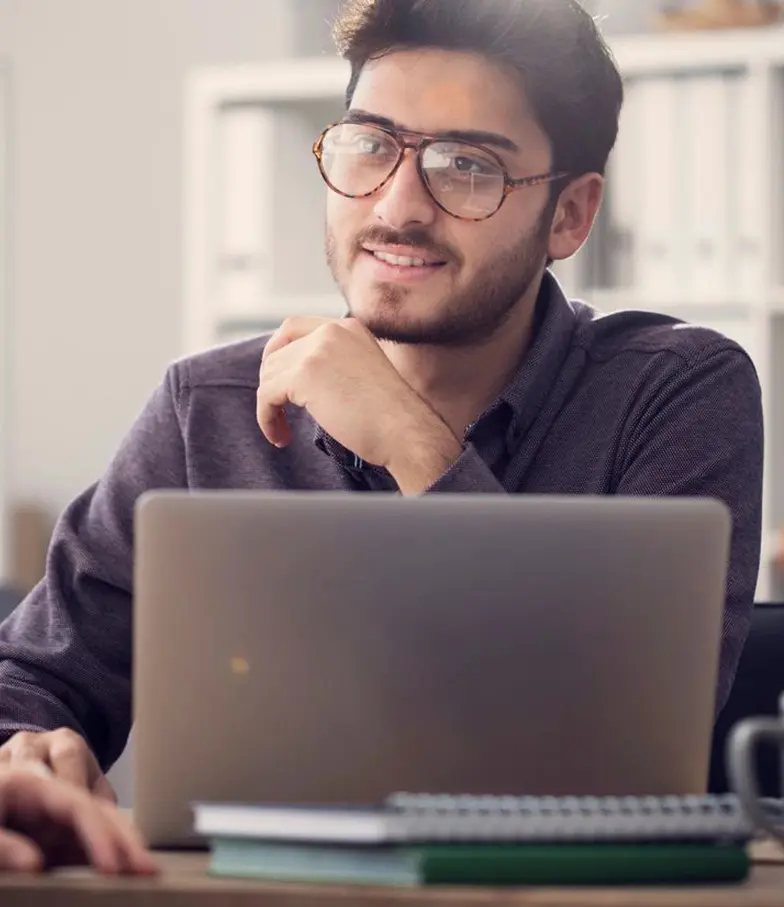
<point x="570" y="78"/>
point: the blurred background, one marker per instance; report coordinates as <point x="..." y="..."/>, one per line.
<point x="141" y="217"/>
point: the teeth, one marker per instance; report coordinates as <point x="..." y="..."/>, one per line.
<point x="400" y="260"/>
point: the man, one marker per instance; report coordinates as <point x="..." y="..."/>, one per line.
<point x="471" y="154"/>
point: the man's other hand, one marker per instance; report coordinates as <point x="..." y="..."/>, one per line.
<point x="46" y="822"/>
<point x="62" y="753"/>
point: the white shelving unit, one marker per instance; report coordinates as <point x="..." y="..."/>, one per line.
<point x="693" y="225"/>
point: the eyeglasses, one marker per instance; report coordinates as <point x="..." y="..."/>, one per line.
<point x="469" y="182"/>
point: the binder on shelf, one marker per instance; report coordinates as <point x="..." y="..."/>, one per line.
<point x="749" y="185"/>
<point x="662" y="239"/>
<point x="244" y="248"/>
<point x="708" y="125"/>
<point x="624" y="190"/>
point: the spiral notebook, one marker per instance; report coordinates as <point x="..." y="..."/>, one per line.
<point x="425" y="818"/>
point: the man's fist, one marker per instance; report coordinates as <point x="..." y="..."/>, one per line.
<point x="62" y="753"/>
<point x="338" y="372"/>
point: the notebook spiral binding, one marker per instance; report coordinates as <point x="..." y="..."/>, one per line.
<point x="491" y="818"/>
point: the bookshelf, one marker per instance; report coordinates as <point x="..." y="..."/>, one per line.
<point x="693" y="225"/>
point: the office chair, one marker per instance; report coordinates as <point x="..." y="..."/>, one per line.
<point x="758" y="685"/>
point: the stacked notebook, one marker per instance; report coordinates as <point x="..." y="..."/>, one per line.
<point x="430" y="840"/>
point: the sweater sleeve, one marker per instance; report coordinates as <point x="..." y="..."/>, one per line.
<point x="65" y="652"/>
<point x="702" y="436"/>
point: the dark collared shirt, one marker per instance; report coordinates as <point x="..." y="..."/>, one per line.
<point x="629" y="403"/>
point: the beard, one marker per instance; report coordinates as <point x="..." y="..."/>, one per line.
<point x="469" y="316"/>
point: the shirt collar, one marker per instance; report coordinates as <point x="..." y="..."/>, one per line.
<point x="552" y="340"/>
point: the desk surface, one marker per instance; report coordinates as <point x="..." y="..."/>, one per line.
<point x="184" y="883"/>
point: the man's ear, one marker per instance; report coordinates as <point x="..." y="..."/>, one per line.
<point x="574" y="216"/>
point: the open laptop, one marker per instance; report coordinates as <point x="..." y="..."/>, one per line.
<point x="334" y="648"/>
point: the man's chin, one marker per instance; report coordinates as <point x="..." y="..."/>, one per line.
<point x="409" y="332"/>
<point x="393" y="304"/>
<point x="397" y="317"/>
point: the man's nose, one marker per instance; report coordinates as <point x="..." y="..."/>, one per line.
<point x="405" y="200"/>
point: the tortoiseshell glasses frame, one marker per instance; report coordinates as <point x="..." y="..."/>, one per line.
<point x="420" y="143"/>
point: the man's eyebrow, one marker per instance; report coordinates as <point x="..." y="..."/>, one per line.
<point x="473" y="136"/>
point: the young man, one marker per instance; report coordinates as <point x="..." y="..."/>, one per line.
<point x="471" y="154"/>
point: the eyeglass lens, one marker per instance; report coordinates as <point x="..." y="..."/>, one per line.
<point x="358" y="158"/>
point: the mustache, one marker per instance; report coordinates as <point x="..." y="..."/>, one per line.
<point x="416" y="237"/>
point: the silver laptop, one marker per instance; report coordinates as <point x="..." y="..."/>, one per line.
<point x="334" y="648"/>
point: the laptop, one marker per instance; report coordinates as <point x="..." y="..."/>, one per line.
<point x="333" y="648"/>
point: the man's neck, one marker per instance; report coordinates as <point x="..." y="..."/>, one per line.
<point x="460" y="384"/>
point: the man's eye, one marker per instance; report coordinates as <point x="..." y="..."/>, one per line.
<point x="368" y="144"/>
<point x="464" y="164"/>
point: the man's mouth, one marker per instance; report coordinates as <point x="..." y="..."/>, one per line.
<point x="404" y="261"/>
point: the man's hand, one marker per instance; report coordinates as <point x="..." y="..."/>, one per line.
<point x="338" y="372"/>
<point x="45" y="822"/>
<point x="62" y="753"/>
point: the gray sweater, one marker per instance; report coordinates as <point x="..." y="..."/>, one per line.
<point x="629" y="403"/>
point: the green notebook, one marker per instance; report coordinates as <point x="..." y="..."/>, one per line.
<point x="484" y="864"/>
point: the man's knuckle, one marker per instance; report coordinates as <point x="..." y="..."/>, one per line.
<point x="331" y="330"/>
<point x="329" y="336"/>
<point x="67" y="741"/>
<point x="22" y="740"/>
<point x="288" y="326"/>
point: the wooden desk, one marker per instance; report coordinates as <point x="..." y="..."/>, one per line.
<point x="184" y="884"/>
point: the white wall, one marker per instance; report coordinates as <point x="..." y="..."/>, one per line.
<point x="97" y="95"/>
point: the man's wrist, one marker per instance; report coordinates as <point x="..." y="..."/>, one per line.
<point x="425" y="449"/>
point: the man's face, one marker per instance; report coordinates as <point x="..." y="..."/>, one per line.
<point x="476" y="272"/>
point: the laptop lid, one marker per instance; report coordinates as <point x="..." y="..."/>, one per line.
<point x="334" y="648"/>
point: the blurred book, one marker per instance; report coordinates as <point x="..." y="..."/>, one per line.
<point x="711" y="14"/>
<point x="435" y="839"/>
<point x="426" y="818"/>
<point x="488" y="864"/>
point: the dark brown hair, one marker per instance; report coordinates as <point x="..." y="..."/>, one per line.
<point x="570" y="78"/>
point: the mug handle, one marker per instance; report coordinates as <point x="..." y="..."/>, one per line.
<point x="742" y="744"/>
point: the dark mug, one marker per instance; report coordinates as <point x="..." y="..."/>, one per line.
<point x="743" y="742"/>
